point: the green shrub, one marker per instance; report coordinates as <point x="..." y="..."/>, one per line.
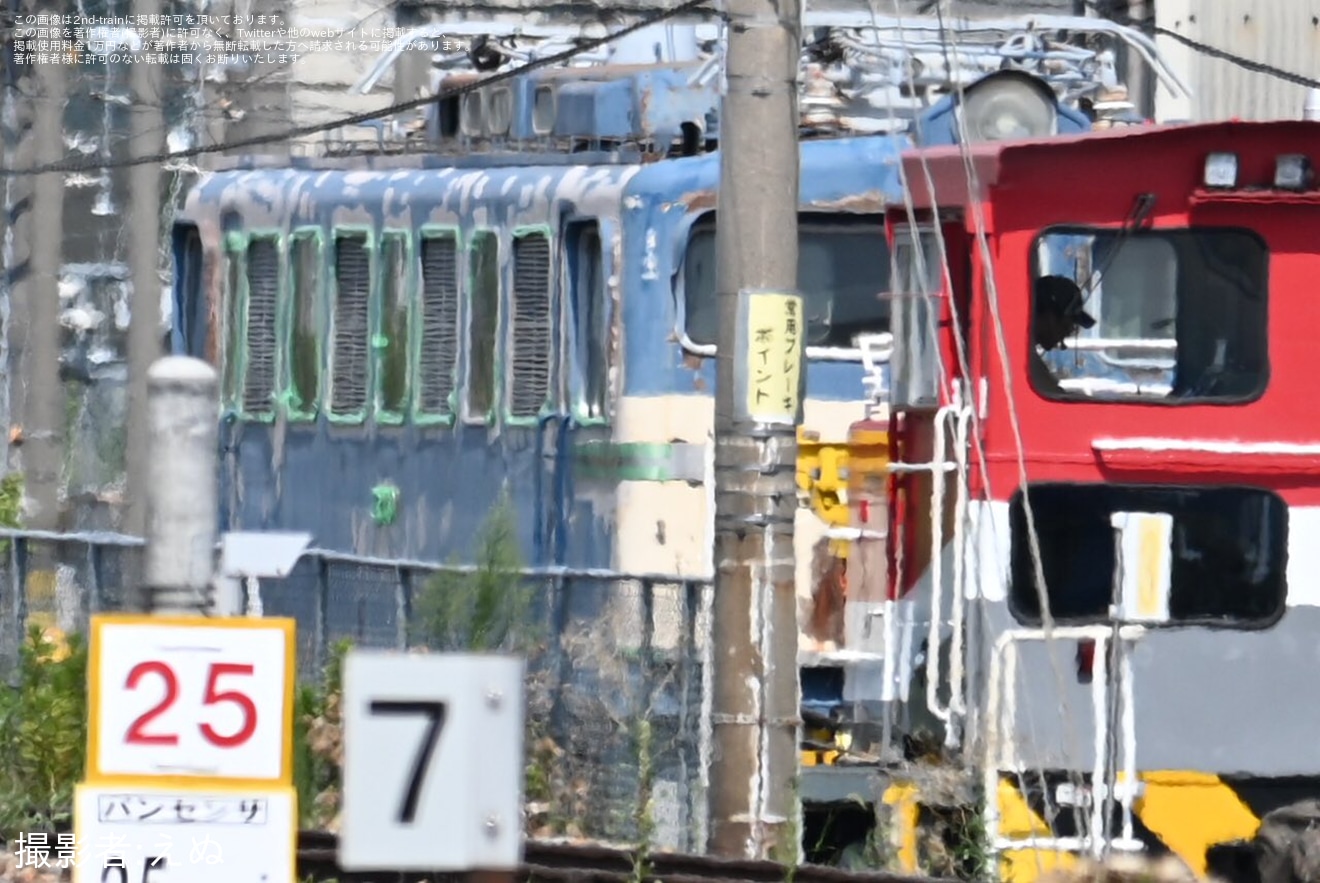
<point x="43" y="735"/>
<point x="487" y="609"/>
<point x="43" y="718"/>
<point x="318" y="743"/>
<point x="11" y="505"/>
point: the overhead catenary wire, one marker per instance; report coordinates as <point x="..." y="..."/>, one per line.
<point x="358" y="118"/>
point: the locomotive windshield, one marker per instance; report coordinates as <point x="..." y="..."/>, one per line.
<point x="1178" y="315"/>
<point x="1227" y="552"/>
<point x="843" y="267"/>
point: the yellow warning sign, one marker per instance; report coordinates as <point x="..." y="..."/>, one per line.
<point x="774" y="356"/>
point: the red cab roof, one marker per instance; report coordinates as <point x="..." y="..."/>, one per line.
<point x="1107" y="154"/>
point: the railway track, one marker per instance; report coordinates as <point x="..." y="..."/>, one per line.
<point x="586" y="863"/>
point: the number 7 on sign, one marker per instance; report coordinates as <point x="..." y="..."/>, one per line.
<point x="435" y="716"/>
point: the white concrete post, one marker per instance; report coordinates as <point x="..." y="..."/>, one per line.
<point x="181" y="491"/>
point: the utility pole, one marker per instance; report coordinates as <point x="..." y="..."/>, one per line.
<point x="182" y="485"/>
<point x="36" y="394"/>
<point x="15" y="117"/>
<point x="756" y="707"/>
<point x="144" y="337"/>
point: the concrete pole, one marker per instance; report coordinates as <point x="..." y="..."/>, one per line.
<point x="37" y="396"/>
<point x="181" y="491"/>
<point x="144" y="338"/>
<point x="19" y="153"/>
<point x="756" y="707"/>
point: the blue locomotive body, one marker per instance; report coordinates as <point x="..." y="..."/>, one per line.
<point x="399" y="345"/>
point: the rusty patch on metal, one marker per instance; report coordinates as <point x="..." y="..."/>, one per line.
<point x="867" y="202"/>
<point x="829" y="591"/>
<point x="698" y="199"/>
<point x="644" y="100"/>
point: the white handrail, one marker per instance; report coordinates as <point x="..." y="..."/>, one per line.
<point x="957" y="699"/>
<point x="1091" y="344"/>
<point x="1100" y="717"/>
<point x="1001" y="708"/>
<point x="959" y="417"/>
<point x="1128" y="794"/>
<point x="941" y="713"/>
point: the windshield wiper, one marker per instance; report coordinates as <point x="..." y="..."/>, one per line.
<point x="1137" y="218"/>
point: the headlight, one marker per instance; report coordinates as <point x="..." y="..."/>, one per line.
<point x="1003" y="107"/>
<point x="1221" y="170"/>
<point x="1292" y="171"/>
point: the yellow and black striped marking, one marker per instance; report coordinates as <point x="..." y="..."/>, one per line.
<point x="1179" y="812"/>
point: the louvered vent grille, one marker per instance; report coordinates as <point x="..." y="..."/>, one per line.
<point x="439" y="324"/>
<point x="533" y="326"/>
<point x="348" y="380"/>
<point x="263" y="285"/>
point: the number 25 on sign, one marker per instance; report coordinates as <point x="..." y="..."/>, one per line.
<point x="192" y="698"/>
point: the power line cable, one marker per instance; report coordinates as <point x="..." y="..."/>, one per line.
<point x="567" y="55"/>
<point x="358" y="118"/>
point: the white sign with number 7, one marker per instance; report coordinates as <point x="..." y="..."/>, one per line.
<point x="433" y="762"/>
<point x="190" y="698"/>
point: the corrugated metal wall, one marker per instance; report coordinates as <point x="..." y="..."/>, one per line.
<point x="1283" y="33"/>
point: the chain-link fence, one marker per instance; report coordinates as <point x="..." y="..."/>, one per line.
<point x="618" y="672"/>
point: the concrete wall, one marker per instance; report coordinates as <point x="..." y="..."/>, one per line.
<point x="1282" y="33"/>
<point x="320" y="80"/>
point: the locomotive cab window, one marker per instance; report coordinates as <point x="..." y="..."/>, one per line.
<point x="843" y="266"/>
<point x="917" y="284"/>
<point x="189" y="301"/>
<point x="1169" y="315"/>
<point x="1154" y="555"/>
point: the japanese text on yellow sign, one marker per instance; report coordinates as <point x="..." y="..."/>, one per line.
<point x="774" y="356"/>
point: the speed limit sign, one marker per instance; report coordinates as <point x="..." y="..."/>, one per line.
<point x="190" y="698"/>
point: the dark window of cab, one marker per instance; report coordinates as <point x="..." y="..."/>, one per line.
<point x="1227" y="552"/>
<point x="843" y="264"/>
<point x="1180" y="314"/>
